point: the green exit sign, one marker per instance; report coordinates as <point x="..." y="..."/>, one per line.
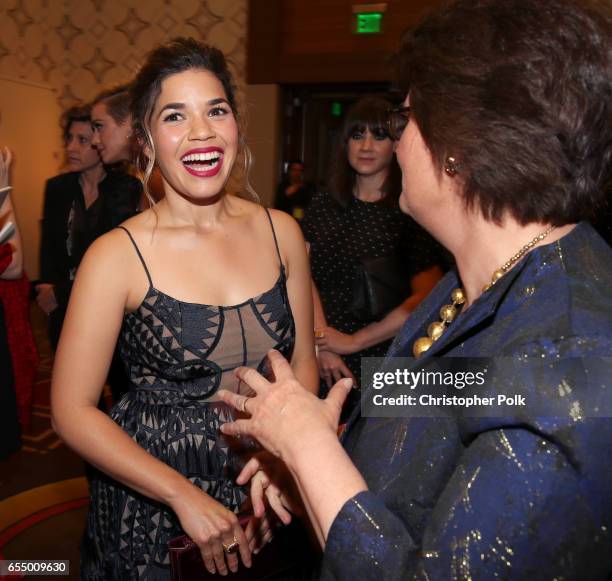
<point x="370" y="23"/>
<point x="367" y="18"/>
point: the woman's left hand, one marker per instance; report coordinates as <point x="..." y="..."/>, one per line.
<point x="330" y="339"/>
<point x="285" y="417"/>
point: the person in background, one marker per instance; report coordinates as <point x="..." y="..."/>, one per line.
<point x="111" y="120"/>
<point x="355" y="227"/>
<point x="294" y="193"/>
<point x="79" y="206"/>
<point x="18" y="369"/>
<point x="504" y="145"/>
<point x="114" y="140"/>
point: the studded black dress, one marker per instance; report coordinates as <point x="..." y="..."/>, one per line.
<point x="178" y="355"/>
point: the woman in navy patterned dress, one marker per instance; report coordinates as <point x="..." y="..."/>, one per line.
<point x="198" y="285"/>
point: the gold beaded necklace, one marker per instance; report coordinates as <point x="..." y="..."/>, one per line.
<point x="449" y="312"/>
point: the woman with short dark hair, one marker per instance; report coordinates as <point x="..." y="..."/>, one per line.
<point x="504" y="145"/>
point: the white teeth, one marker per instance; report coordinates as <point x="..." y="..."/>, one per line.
<point x="211" y="155"/>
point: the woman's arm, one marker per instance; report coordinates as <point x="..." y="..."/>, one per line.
<point x="95" y="312"/>
<point x="300" y="429"/>
<point x="55" y="286"/>
<point x="529" y="470"/>
<point x="331" y="366"/>
<point x="387" y="328"/>
<point x="293" y="248"/>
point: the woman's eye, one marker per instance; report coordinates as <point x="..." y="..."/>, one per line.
<point x="172" y="117"/>
<point x="218" y="111"/>
<point x="96" y="126"/>
<point x="357" y="136"/>
<point x="83" y="141"/>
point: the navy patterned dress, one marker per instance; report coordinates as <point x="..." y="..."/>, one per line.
<point x="178" y="355"/>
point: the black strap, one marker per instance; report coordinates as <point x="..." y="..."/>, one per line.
<point x="275" y="239"/>
<point x="144" y="265"/>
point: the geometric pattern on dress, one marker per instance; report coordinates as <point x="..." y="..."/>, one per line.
<point x="169" y="349"/>
<point x="274" y="311"/>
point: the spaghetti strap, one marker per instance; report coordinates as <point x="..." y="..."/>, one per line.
<point x="139" y="254"/>
<point x="275" y="240"/>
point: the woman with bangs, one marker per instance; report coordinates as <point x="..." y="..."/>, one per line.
<point x="194" y="287"/>
<point x="356" y="231"/>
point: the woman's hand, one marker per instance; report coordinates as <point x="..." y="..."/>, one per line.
<point x="271" y="483"/>
<point x="211" y="526"/>
<point x="330" y="339"/>
<point x="332" y="368"/>
<point x="259" y="532"/>
<point x="285" y="417"/>
<point x="45" y="297"/>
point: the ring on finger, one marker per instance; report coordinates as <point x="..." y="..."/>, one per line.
<point x="243" y="407"/>
<point x="231" y="548"/>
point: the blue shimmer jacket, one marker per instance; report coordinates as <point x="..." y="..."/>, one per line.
<point x="484" y="498"/>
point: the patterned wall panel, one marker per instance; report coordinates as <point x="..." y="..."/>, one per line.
<point x="80" y="46"/>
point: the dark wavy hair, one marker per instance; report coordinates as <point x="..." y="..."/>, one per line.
<point x="519" y="93"/>
<point x="117" y="101"/>
<point x="177" y="56"/>
<point x="368" y="113"/>
<point x="76" y="114"/>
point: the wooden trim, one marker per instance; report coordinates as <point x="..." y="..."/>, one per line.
<point x="264" y="41"/>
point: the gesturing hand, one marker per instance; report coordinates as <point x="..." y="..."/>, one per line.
<point x="271" y="483"/>
<point x="284" y="415"/>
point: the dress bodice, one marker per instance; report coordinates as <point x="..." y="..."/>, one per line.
<point x="188" y="351"/>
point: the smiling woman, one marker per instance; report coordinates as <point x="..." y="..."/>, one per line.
<point x="194" y="287"/>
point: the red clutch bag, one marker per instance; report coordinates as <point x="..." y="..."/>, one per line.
<point x="186" y="561"/>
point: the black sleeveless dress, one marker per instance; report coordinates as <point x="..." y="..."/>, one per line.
<point x="178" y="355"/>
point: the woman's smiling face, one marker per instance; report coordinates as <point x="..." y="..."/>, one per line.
<point x="195" y="134"/>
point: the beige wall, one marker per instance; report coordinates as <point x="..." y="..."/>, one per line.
<point x="263" y="117"/>
<point x="29" y="126"/>
<point x="56" y="53"/>
<point x="80" y="46"/>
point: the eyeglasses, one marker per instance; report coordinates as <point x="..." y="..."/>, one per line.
<point x="397" y="121"/>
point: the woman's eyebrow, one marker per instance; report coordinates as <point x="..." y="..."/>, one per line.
<point x="182" y="105"/>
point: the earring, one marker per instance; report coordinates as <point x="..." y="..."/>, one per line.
<point x="451" y="167"/>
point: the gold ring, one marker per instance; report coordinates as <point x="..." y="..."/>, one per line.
<point x="244" y="404"/>
<point x="232" y="547"/>
<point x="319" y="334"/>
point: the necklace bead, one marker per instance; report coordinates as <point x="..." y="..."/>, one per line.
<point x="449" y="312"/>
<point x="435" y="330"/>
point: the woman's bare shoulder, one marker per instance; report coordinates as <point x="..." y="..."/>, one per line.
<point x="143" y="221"/>
<point x="286" y="226"/>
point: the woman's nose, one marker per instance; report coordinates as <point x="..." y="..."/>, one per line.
<point x="201" y="129"/>
<point x="367" y="142"/>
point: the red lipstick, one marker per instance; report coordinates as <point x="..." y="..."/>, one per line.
<point x="203" y="162"/>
